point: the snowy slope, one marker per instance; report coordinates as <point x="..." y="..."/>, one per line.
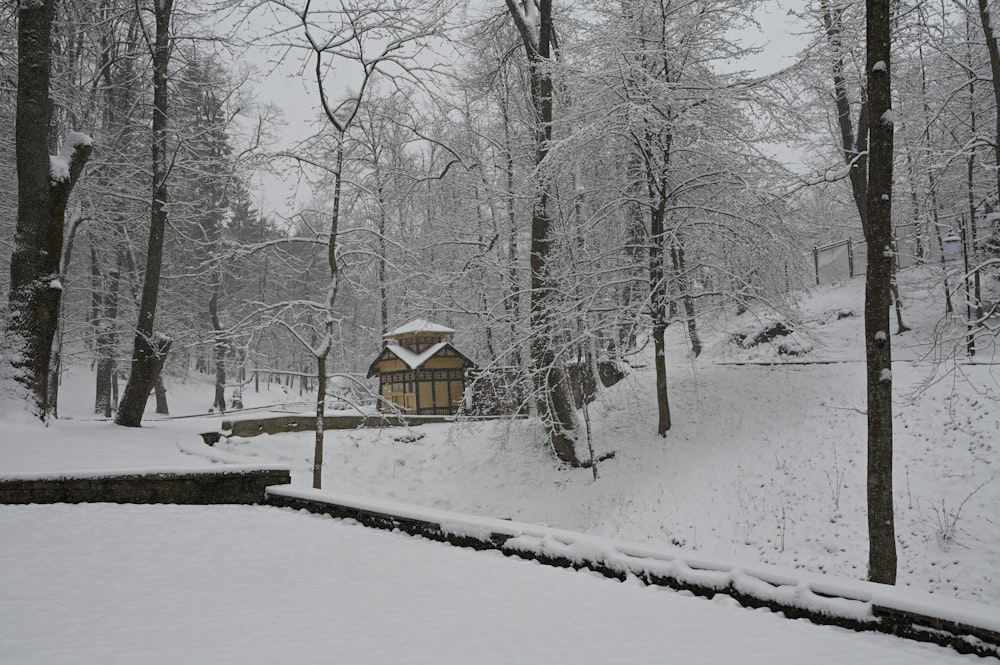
<point x="763" y="462"/>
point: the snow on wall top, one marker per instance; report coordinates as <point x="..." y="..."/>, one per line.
<point x="819" y="595"/>
<point x="419" y="326"/>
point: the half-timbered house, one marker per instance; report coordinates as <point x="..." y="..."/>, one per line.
<point x="420" y="371"/>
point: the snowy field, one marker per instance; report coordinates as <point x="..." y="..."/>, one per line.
<point x="763" y="464"/>
<point x="109" y="584"/>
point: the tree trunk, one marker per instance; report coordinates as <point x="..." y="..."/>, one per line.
<point x="677" y="256"/>
<point x="160" y="391"/>
<point x="512" y="299"/>
<point x="320" y="413"/>
<point x="994" y="51"/>
<point x="147" y="363"/>
<point x="107" y="345"/>
<point x="148" y="352"/>
<point x="658" y="310"/>
<point x="555" y="399"/>
<point x="878" y="346"/>
<point x="219" y="351"/>
<point x="35" y="289"/>
<point x="55" y="362"/>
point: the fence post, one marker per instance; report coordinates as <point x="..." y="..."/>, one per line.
<point x="850" y="257"/>
<point x="816" y="262"/>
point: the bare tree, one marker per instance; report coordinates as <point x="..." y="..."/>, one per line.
<point x="149" y="350"/>
<point x="370" y="40"/>
<point x="853" y="140"/>
<point x="533" y="19"/>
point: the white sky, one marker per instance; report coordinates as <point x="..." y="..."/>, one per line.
<point x="294" y="91"/>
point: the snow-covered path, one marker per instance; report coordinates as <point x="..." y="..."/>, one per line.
<point x="100" y="583"/>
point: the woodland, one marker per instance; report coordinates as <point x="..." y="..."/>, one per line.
<point x="558" y="182"/>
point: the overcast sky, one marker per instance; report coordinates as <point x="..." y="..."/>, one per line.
<point x="295" y="93"/>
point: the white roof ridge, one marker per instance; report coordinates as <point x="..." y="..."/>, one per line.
<point x="418" y="326"/>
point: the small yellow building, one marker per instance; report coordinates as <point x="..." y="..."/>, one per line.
<point x="420" y="372"/>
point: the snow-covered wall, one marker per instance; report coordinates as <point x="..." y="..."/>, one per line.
<point x="964" y="626"/>
<point x="228" y="485"/>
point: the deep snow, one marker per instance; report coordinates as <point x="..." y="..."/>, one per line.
<point x="106" y="584"/>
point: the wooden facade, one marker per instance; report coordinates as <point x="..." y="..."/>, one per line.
<point x="420" y="372"/>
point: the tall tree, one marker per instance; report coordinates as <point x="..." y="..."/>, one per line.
<point x="44" y="186"/>
<point x="854" y="141"/>
<point x="990" y="36"/>
<point x="533" y="19"/>
<point x="878" y="346"/>
<point x="149" y="351"/>
<point x="371" y="41"/>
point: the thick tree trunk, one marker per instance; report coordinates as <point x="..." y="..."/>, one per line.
<point x="555" y="399"/>
<point x="160" y="391"/>
<point x="658" y="309"/>
<point x="878" y="347"/>
<point x="147" y="362"/>
<point x="43" y="192"/>
<point x="148" y="353"/>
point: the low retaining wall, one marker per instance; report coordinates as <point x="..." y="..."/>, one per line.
<point x="306" y="423"/>
<point x="849" y="604"/>
<point x="243" y="486"/>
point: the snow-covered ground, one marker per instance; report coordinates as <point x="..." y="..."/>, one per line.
<point x="763" y="463"/>
<point x="107" y="584"/>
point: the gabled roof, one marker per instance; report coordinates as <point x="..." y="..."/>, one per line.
<point x="416" y="360"/>
<point x="418" y="326"/>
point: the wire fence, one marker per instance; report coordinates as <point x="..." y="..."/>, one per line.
<point x="844" y="259"/>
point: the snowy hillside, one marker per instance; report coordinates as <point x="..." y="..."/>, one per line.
<point x="763" y="462"/>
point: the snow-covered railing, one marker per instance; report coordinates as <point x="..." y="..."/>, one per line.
<point x="965" y="626"/>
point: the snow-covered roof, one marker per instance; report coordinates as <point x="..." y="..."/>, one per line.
<point x="419" y="326"/>
<point x="415" y="360"/>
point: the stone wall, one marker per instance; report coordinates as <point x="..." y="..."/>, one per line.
<point x="243" y="486"/>
<point x="305" y="423"/>
<point x="839" y="611"/>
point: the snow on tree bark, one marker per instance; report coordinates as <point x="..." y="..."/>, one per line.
<point x="44" y="186"/>
<point x="878" y="345"/>
<point x="149" y="350"/>
<point x="533" y="20"/>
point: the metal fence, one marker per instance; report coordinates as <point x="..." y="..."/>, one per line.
<point x="844" y="259"/>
